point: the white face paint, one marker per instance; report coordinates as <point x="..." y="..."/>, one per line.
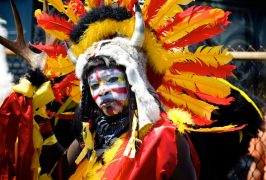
<point x="109" y="90"/>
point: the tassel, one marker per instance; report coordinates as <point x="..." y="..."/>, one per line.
<point x="130" y="150"/>
<point x="89" y="144"/>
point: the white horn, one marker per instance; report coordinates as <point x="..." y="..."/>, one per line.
<point x="71" y="56"/>
<point x="138" y="35"/>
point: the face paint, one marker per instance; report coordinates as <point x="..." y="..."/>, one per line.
<point x="109" y="90"/>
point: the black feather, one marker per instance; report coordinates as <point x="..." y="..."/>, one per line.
<point x="36" y="77"/>
<point x="98" y="14"/>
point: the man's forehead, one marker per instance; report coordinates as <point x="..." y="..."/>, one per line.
<point x="105" y="72"/>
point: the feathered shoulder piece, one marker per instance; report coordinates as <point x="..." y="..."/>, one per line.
<point x="191" y="85"/>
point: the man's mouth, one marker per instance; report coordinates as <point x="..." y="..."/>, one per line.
<point x="106" y="103"/>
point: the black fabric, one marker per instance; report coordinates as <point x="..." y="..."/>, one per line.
<point x="108" y="129"/>
<point x="49" y="156"/>
<point x="98" y="14"/>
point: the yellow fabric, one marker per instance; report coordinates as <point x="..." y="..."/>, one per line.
<point x="89" y="144"/>
<point x="41" y="112"/>
<point x="50" y="141"/>
<point x="24" y="87"/>
<point x="130" y="150"/>
<point x="37" y="143"/>
<point x="45" y="177"/>
<point x="62" y="108"/>
<point x="43" y="95"/>
<point x="94" y="170"/>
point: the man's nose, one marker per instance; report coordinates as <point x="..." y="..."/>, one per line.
<point x="104" y="91"/>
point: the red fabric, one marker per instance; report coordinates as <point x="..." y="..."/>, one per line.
<point x="156" y="157"/>
<point x="194" y="156"/>
<point x="16" y="122"/>
<point x="45" y="127"/>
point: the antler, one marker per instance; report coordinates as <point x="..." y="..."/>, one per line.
<point x="19" y="46"/>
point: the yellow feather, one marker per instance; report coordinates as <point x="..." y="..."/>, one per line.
<point x="108" y="2"/>
<point x="157" y="55"/>
<point x="100" y="30"/>
<point x="145" y="8"/>
<point x="179" y="116"/>
<point x="90" y="3"/>
<point x="75" y="93"/>
<point x="181" y="128"/>
<point x="213" y="129"/>
<point x="124" y="3"/>
<point x="59" y="66"/>
<point x="189" y="24"/>
<point x="57" y="4"/>
<point x="58" y="34"/>
<point x="209" y="55"/>
<point x="208" y="85"/>
<point x="243" y="94"/>
<point x="198" y="107"/>
<point x="166" y="12"/>
<point x="71" y="14"/>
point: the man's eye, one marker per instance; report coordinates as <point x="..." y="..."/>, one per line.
<point x="113" y="79"/>
<point x="94" y="86"/>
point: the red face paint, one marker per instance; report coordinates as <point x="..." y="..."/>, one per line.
<point x="109" y="89"/>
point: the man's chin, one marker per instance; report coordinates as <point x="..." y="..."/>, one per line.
<point x="111" y="110"/>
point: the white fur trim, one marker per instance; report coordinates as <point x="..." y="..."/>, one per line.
<point x="80" y="65"/>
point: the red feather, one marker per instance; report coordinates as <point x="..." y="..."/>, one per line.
<point x="198" y="94"/>
<point x="78" y="7"/>
<point x="54" y="23"/>
<point x="190" y="12"/>
<point x="52" y="51"/>
<point x="153" y="9"/>
<point x="200" y="68"/>
<point x="200" y="34"/>
<point x="63" y="88"/>
<point x="200" y="121"/>
<point x="214" y="100"/>
<point x="131" y="5"/>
